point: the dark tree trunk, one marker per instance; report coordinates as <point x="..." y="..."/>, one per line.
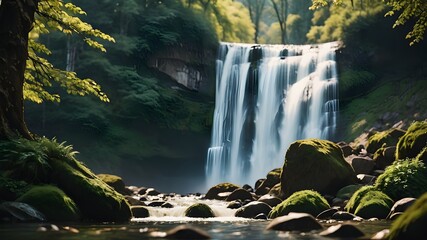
<point x="16" y="20"/>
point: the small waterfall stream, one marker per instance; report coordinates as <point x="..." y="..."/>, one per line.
<point x="268" y="96"/>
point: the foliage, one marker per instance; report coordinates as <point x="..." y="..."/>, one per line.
<point x="409" y="10"/>
<point x="11" y="189"/>
<point x="404" y="178"/>
<point x="306" y="201"/>
<point x="52" y="202"/>
<point x="29" y="160"/>
<point x="40" y="75"/>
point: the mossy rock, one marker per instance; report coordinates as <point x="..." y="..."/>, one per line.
<point x="96" y="200"/>
<point x="220" y="188"/>
<point x="306" y="201"/>
<point x="52" y="202"/>
<point x="386" y="138"/>
<point x="315" y="164"/>
<point x="114" y="181"/>
<point x="412" y="223"/>
<point x="404" y="178"/>
<point x="348" y="191"/>
<point x="369" y="203"/>
<point x="413" y="142"/>
<point x="199" y="210"/>
<point x="384" y="157"/>
<point x="11" y="189"/>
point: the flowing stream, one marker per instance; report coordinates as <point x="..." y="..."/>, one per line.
<point x="268" y="96"/>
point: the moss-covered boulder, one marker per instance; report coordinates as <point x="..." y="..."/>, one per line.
<point x="115" y="182"/>
<point x="315" y="164"/>
<point x="199" y="210"/>
<point x="413" y="142"/>
<point x="306" y="201"/>
<point x="385" y="138"/>
<point x="52" y="202"/>
<point x="367" y="202"/>
<point x="273" y="178"/>
<point x="220" y="188"/>
<point x="412" y="223"/>
<point x="96" y="200"/>
<point x="404" y="178"/>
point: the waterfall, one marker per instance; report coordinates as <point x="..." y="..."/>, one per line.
<point x="268" y="96"/>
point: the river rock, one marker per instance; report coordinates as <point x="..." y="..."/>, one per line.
<point x="413" y="142"/>
<point x="301" y="222"/>
<point x="385" y="138"/>
<point x="412" y="223"/>
<point x="156" y="204"/>
<point x="315" y="164"/>
<point x="259" y="182"/>
<point x="252" y="209"/>
<point x="187" y="232"/>
<point x="261" y="216"/>
<point x="361" y="165"/>
<point x="342" y="231"/>
<point x="234" y="204"/>
<point x="271" y="200"/>
<point x="327" y="214"/>
<point x="220" y="188"/>
<point x="348" y="191"/>
<point x="273" y="178"/>
<point x="139" y="212"/>
<point x="240" y="194"/>
<point x="276" y="191"/>
<point x="343" y="216"/>
<point x="384" y="157"/>
<point x="367" y="202"/>
<point x="401" y="206"/>
<point x="142" y="190"/>
<point x="248" y="188"/>
<point x="133" y="201"/>
<point x="115" y="182"/>
<point x="52" y="202"/>
<point x="152" y="192"/>
<point x="166" y="205"/>
<point x="20" y="211"/>
<point x="199" y="210"/>
<point x="366" y="179"/>
<point x="346" y="149"/>
<point x="306" y="201"/>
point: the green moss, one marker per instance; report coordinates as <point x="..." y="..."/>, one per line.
<point x="412" y="223"/>
<point x="388" y="138"/>
<point x="413" y="142"/>
<point x="219" y="188"/>
<point x="199" y="210"/>
<point x="315" y="164"/>
<point x="96" y="200"/>
<point x="367" y="202"/>
<point x="348" y="191"/>
<point x="306" y="201"/>
<point x="113" y="181"/>
<point x="52" y="202"/>
<point x="404" y="178"/>
<point x="11" y="189"/>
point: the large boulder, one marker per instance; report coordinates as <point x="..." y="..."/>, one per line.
<point x="240" y="194"/>
<point x="405" y="178"/>
<point x="273" y="178"/>
<point x="386" y="138"/>
<point x="52" y="202"/>
<point x="412" y="223"/>
<point x="384" y="157"/>
<point x="306" y="201"/>
<point x="213" y="192"/>
<point x="96" y="200"/>
<point x="199" y="210"/>
<point x="369" y="203"/>
<point x="315" y="164"/>
<point x="413" y="142"/>
<point x="361" y="164"/>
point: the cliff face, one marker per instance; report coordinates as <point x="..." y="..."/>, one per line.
<point x="192" y="68"/>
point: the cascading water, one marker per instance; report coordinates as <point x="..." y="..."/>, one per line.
<point x="268" y="96"/>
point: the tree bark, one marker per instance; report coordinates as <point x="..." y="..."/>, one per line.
<point x="16" y="21"/>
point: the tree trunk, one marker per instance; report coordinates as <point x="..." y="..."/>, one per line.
<point x="16" y="20"/>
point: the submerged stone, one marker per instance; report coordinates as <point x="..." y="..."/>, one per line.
<point x="272" y="201"/>
<point x="187" y="232"/>
<point x="306" y="201"/>
<point x="301" y="222"/>
<point x="342" y="231"/>
<point x="315" y="164"/>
